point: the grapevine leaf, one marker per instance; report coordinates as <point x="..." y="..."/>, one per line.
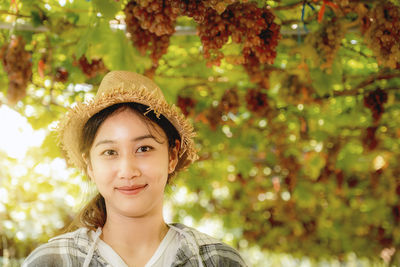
<point x="108" y="8"/>
<point x="84" y="42"/>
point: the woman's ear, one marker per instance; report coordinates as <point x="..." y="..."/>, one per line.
<point x="89" y="169"/>
<point x="173" y="157"/>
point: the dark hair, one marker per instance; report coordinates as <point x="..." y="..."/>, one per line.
<point x="94" y="213"/>
<point x="92" y="125"/>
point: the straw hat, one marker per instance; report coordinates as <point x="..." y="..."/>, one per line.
<point x="119" y="87"/>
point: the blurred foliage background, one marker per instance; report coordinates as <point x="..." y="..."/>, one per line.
<point x="296" y="105"/>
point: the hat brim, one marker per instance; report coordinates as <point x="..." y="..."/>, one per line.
<point x="70" y="127"/>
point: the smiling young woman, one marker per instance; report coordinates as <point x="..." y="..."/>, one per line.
<point x="130" y="142"/>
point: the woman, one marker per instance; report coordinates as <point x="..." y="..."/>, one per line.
<point x="130" y="142"/>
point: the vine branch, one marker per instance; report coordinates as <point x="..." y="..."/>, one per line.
<point x="6" y="12"/>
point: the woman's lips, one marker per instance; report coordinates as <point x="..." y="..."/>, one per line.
<point x="131" y="190"/>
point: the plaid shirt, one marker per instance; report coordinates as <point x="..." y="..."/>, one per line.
<point x="195" y="249"/>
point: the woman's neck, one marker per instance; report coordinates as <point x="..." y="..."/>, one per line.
<point x="134" y="238"/>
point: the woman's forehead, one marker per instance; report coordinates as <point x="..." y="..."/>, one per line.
<point x="127" y="121"/>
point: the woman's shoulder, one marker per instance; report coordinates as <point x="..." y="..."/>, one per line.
<point x="200" y="237"/>
<point x="65" y="250"/>
<point x="213" y="251"/>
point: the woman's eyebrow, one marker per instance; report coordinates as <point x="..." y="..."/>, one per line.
<point x="108" y="141"/>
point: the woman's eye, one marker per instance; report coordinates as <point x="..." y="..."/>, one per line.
<point x="144" y="149"/>
<point x="109" y="153"/>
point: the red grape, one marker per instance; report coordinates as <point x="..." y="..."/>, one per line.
<point x="17" y="63"/>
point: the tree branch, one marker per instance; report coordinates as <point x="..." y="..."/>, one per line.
<point x="6" y="12"/>
<point x="354" y="92"/>
<point x="373" y="78"/>
<point x="358" y="52"/>
<point x="370" y="80"/>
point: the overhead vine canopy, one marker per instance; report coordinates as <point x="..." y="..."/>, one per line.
<point x="296" y="105"/>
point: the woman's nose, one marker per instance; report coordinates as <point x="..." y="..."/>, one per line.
<point x="128" y="168"/>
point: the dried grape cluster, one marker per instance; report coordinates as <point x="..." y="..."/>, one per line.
<point x="42" y="64"/>
<point x="186" y="104"/>
<point x="195" y="9"/>
<point x="342" y="3"/>
<point x="375" y="101"/>
<point x="61" y="75"/>
<point x="258" y="73"/>
<point x="369" y="140"/>
<point x="293" y="167"/>
<point x="326" y="42"/>
<point x="347" y="6"/>
<point x="247" y="24"/>
<point x="17" y="63"/>
<point x="257" y="102"/>
<point x="214" y="117"/>
<point x="262" y="34"/>
<point x="142" y="38"/>
<point x="157" y="16"/>
<point x="150" y="24"/>
<point x="91" y="69"/>
<point x="396" y="212"/>
<point x="213" y="33"/>
<point x="383" y="34"/>
<point x="230" y="101"/>
<point x="295" y="91"/>
<point x="220" y="5"/>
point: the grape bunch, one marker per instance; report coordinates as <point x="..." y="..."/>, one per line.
<point x="214" y="117"/>
<point x="369" y="140"/>
<point x="17" y="63"/>
<point x="220" y="5"/>
<point x="91" y="69"/>
<point x="186" y="104"/>
<point x="61" y="75"/>
<point x="262" y="34"/>
<point x="248" y="25"/>
<point x="157" y="16"/>
<point x="396" y="213"/>
<point x="230" y="101"/>
<point x="195" y="9"/>
<point x="293" y="167"/>
<point x="382" y="35"/>
<point x="143" y="39"/>
<point x="258" y="73"/>
<point x="342" y="3"/>
<point x="295" y="91"/>
<point x="326" y="43"/>
<point x="257" y="102"/>
<point x="375" y="101"/>
<point x="348" y="6"/>
<point x="213" y="33"/>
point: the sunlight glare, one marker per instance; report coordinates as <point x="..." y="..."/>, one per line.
<point x="18" y="136"/>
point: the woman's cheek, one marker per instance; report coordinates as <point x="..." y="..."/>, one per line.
<point x="104" y="169"/>
<point x="149" y="166"/>
<point x="155" y="168"/>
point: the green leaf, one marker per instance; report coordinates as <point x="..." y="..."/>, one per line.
<point x="122" y="56"/>
<point x="36" y="19"/>
<point x="324" y="81"/>
<point x="108" y="8"/>
<point x="50" y="146"/>
<point x="84" y="41"/>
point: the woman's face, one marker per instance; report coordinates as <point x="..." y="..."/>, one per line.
<point x="129" y="164"/>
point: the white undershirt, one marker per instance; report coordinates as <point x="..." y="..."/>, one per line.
<point x="164" y="255"/>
